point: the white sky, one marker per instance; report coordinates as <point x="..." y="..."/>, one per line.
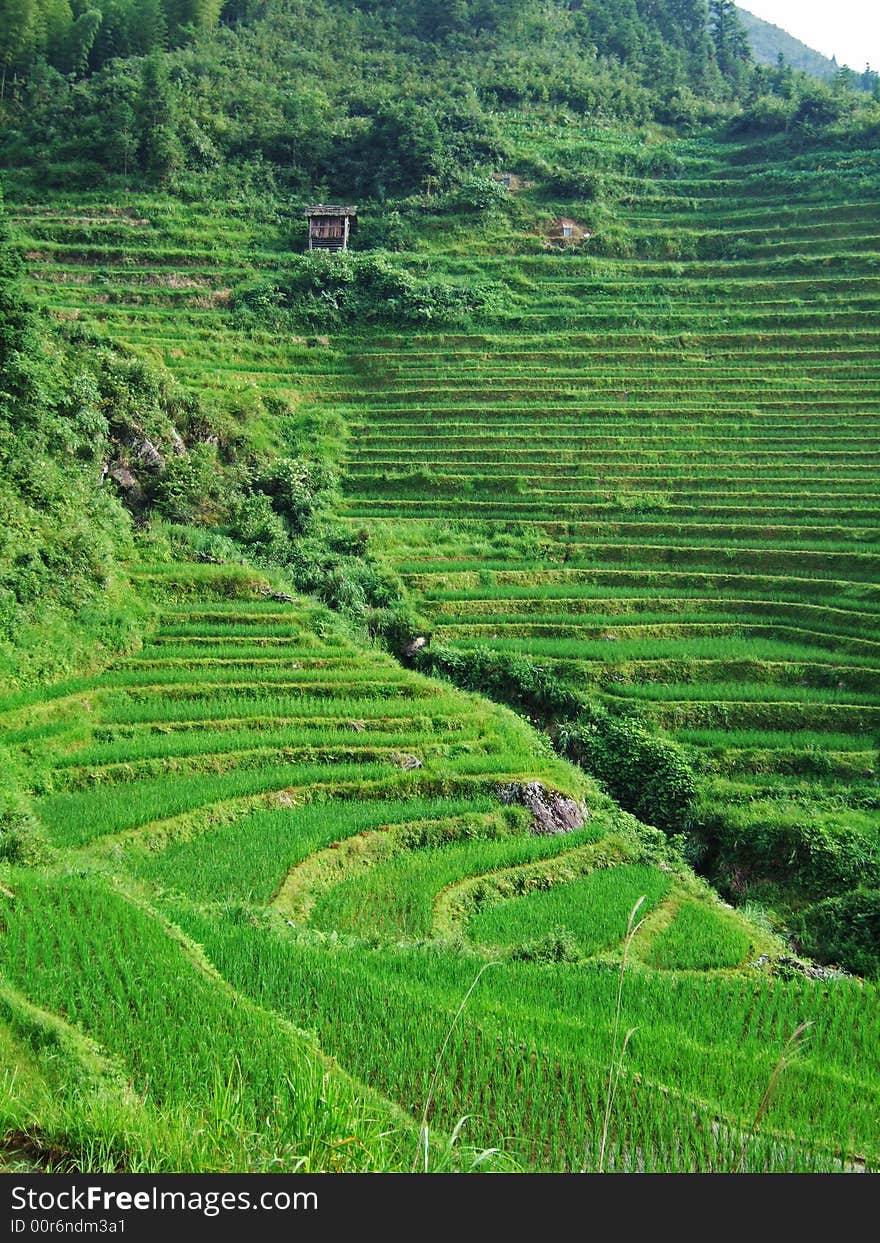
<point x="847" y="29"/>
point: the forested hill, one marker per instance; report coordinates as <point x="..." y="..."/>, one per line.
<point x="769" y="42"/>
<point x="367" y="97"/>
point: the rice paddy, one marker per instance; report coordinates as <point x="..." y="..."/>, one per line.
<point x="594" y="910"/>
<point x="310" y="909"/>
<point x="652" y="472"/>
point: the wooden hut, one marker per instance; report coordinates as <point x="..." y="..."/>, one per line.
<point x="565" y="231"/>
<point x="330" y="226"/>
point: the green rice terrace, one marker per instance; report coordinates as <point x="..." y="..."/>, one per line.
<point x="256" y="822"/>
<point x="301" y="904"/>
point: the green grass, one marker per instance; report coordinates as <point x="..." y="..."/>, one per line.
<point x="531" y="1055"/>
<point x="254" y="1094"/>
<point x="247" y="861"/>
<point x="699" y="938"/>
<point x="398" y="898"/>
<point x="594" y="910"/>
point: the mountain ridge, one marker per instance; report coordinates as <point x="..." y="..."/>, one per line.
<point x="767" y="40"/>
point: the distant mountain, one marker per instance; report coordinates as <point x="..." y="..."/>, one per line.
<point x="768" y="41"/>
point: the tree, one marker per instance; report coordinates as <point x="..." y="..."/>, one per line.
<point x="20" y="389"/>
<point x="846" y="79"/>
<point x="160" y="150"/>
<point x="146" y="27"/>
<point x="615" y="30"/>
<point x="117" y="92"/>
<point x="80" y="40"/>
<point x="199" y="14"/>
<point x="18" y="35"/>
<point x="732" y="50"/>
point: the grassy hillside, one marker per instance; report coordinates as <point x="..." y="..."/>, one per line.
<point x="651" y="475"/>
<point x="380" y="631"/>
<point x="297" y="834"/>
<point x="255" y="784"/>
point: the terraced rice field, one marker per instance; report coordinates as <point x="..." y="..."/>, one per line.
<point x="157" y="275"/>
<point x="257" y="821"/>
<point x="659" y="475"/>
<point x="652" y="471"/>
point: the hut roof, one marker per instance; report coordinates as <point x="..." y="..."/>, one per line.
<point x="330" y="209"/>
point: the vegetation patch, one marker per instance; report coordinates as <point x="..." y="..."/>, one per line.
<point x="844" y="930"/>
<point x="350" y="291"/>
<point x="700" y="938"/>
<point x="309" y="560"/>
<point x="591" y="913"/>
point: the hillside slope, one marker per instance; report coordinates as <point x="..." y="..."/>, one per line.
<point x="296" y="834"/>
<point x="450" y="630"/>
<point x="653" y="475"/>
<point x="769" y="41"/>
<point x="717" y="579"/>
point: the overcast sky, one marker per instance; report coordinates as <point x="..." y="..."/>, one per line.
<point x="847" y="29"/>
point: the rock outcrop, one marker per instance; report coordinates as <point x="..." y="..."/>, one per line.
<point x="552" y="812"/>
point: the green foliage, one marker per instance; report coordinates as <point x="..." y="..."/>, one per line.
<point x="475" y="194"/>
<point x="19" y="830"/>
<point x="508" y="678"/>
<point x="648" y="775"/>
<point x="640" y="481"/>
<point x="351" y="290"/>
<point x="390" y="230"/>
<point x="330" y="95"/>
<point x="297" y="488"/>
<point x="575" y="183"/>
<point x="61" y="534"/>
<point x="161" y="154"/>
<point x="190" y="488"/>
<point x="809" y="850"/>
<point x="732" y="51"/>
<point x="559" y="945"/>
<point x="844" y="930"/>
<point x="77" y="38"/>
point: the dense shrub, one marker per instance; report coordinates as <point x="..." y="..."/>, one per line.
<point x="648" y="775"/>
<point x="508" y="678"/>
<point x="557" y="946"/>
<point x="61" y="533"/>
<point x="18" y="826"/>
<point x="328" y="291"/>
<point x="575" y="184"/>
<point x="767" y="114"/>
<point x="844" y="930"/>
<point x="189" y="487"/>
<point x="296" y="489"/>
<point x="255" y="525"/>
<point x="475" y="193"/>
<point x="815" y="855"/>
<point x="390" y="230"/>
